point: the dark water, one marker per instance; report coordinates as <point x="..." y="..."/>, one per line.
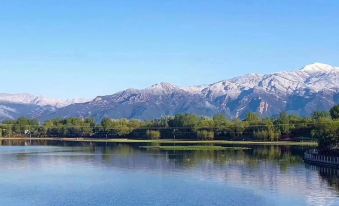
<point x="124" y="174"/>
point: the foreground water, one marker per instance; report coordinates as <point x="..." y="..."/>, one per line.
<point x="125" y="174"/>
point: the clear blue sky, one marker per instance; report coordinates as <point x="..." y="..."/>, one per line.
<point x="84" y="48"/>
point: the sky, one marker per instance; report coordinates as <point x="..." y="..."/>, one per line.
<point x="85" y="48"/>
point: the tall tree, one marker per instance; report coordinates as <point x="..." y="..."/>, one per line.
<point x="335" y="112"/>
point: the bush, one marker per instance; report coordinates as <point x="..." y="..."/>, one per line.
<point x="205" y="135"/>
<point x="267" y="135"/>
<point x="153" y="134"/>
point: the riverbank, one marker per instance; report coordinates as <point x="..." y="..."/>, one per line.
<point x="167" y="141"/>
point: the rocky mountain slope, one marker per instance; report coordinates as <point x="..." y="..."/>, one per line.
<point x="13" y="106"/>
<point x="315" y="87"/>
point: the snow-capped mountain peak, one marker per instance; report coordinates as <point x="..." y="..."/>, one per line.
<point x="318" y="67"/>
<point x="162" y="87"/>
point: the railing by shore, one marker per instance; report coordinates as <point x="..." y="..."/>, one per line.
<point x="313" y="157"/>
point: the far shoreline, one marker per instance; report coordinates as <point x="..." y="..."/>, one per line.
<point x="166" y="141"/>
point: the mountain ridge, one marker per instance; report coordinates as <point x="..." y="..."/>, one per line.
<point x="311" y="88"/>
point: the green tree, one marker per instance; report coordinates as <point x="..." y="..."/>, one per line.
<point x="273" y="133"/>
<point x="327" y="135"/>
<point x="221" y="126"/>
<point x="205" y="134"/>
<point x="120" y="128"/>
<point x="237" y="129"/>
<point x="321" y="115"/>
<point x="205" y="123"/>
<point x="153" y="134"/>
<point x="184" y="120"/>
<point x="335" y="112"/>
<point x="284" y="123"/>
<point x="252" y="117"/>
<point x="184" y="126"/>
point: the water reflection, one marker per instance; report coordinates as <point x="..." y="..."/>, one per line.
<point x="330" y="175"/>
<point x="276" y="174"/>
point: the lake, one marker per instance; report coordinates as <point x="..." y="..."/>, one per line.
<point x="40" y="173"/>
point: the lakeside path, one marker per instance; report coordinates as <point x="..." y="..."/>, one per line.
<point x="167" y="141"/>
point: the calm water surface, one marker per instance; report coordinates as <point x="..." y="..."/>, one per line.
<point x="125" y="174"/>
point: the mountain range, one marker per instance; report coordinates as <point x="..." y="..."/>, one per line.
<point x="314" y="87"/>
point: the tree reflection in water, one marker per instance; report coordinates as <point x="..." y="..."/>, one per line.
<point x="260" y="164"/>
<point x="330" y="175"/>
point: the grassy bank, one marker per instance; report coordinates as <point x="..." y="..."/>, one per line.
<point x="165" y="141"/>
<point x="192" y="148"/>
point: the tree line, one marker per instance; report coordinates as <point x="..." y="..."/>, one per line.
<point x="322" y="126"/>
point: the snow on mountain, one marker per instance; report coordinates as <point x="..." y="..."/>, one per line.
<point x="318" y="68"/>
<point x="162" y="88"/>
<point x="13" y="106"/>
<point x="194" y="89"/>
<point x="314" y="87"/>
<point x="37" y="100"/>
